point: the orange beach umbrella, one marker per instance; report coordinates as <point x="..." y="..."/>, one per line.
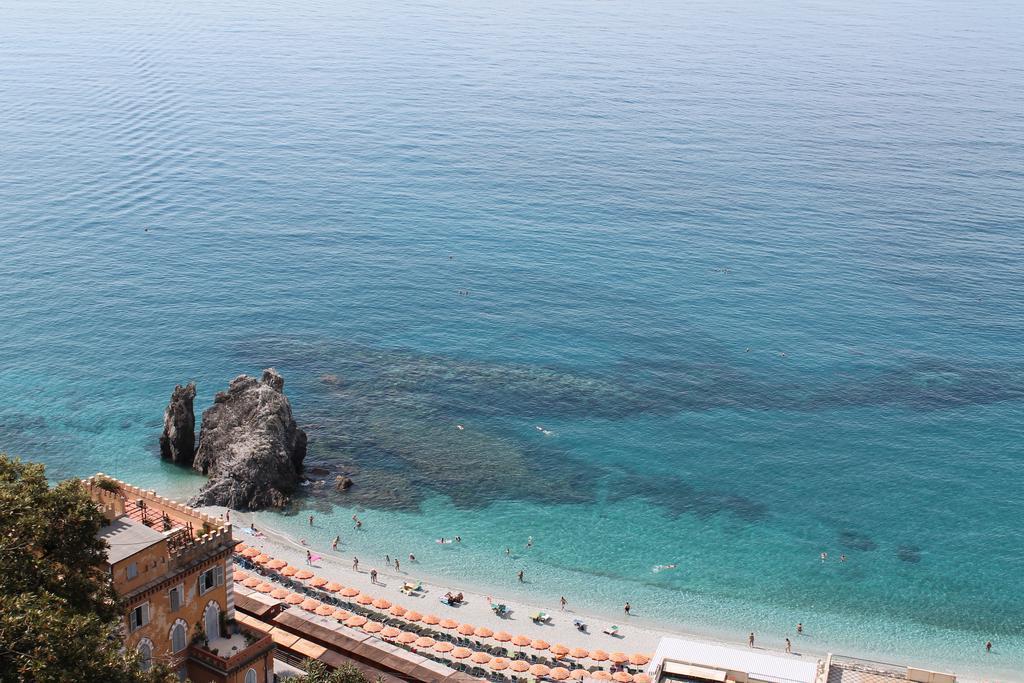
<point x="333" y="586"/>
<point x="251" y="582"/>
<point x="503" y="636"/>
<point x="579" y="674"/>
<point x="432" y="619"/>
<point x="250" y="552"/>
<point x="622" y="677"/>
<point x="601" y="676"/>
<point x="276" y="564"/>
<point x="310" y="605"/>
<point x="599" y="656"/>
<point x="390" y="632"/>
<point x="407" y="637"/>
<point x="498" y="663"/>
<point x="382" y="603"/>
<point x="303" y="574"/>
<point x="318" y="581"/>
<point x="449" y="623"/>
<point x="638" y="659"/>
<point x="279" y="593"/>
<point x="466" y="629"/>
<point x="618" y="657"/>
<point x="480" y="658"/>
<point x="239" y="575"/>
<point x="482" y="632"/>
<point x="373" y="627"/>
<point x="519" y="665"/>
<point x="413" y="616"/>
<point x="294" y="598"/>
<point x="539" y="670"/>
<point x="641" y="678"/>
<point x="559" y="650"/>
<point x="539" y="644"/>
<point x="398" y="610"/>
<point x="521" y="641"/>
<point x="462" y="653"/>
<point x="325" y="610"/>
<point x="560" y="673"/>
<point x="349" y="592"/>
<point x="364" y="599"/>
<point x="356" y="620"/>
<point x="341" y="615"/>
<point x="424" y="642"/>
<point x="443" y="646"/>
<point x="289" y="571"/>
<point x="579" y="652"/>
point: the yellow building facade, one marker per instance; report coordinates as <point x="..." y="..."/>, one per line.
<point x="171" y="566"/>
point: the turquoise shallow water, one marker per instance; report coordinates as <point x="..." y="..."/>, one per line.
<point x="648" y="204"/>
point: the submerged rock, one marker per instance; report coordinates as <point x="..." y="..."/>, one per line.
<point x="343" y="483"/>
<point x="250" y="446"/>
<point x="178" y="441"/>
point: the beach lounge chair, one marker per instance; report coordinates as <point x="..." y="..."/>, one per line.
<point x="612" y="630"/>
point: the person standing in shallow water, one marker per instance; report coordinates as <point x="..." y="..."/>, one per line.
<point x="750" y="639"/>
<point x="626" y="608"/>
<point x="521" y="574"/>
<point x="311" y="520"/>
<point x="800" y="629"/>
<point x="988" y="646"/>
<point x="564" y="602"/>
<point x="789" y="647"/>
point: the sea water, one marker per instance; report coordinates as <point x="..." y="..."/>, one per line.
<point x="717" y="284"/>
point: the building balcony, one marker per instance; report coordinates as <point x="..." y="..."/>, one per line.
<point x="226" y="655"/>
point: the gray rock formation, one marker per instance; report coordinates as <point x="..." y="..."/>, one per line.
<point x="343" y="483"/>
<point x="250" y="446"/>
<point x="178" y="441"/>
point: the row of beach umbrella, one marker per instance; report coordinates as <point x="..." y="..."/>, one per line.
<point x="558" y="650"/>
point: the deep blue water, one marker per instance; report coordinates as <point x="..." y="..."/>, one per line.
<point x="756" y="266"/>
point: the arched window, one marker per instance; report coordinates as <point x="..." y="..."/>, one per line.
<point x="179" y="633"/>
<point x="250" y="676"/>
<point x="146" y="654"/>
<point x="211" y="619"/>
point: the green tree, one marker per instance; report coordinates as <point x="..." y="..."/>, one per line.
<point x="317" y="672"/>
<point x="59" y="616"/>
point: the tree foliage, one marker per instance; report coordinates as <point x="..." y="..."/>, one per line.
<point x="59" y="615"/>
<point x="318" y="672"/>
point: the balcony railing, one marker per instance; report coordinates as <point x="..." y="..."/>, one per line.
<point x="235" y="659"/>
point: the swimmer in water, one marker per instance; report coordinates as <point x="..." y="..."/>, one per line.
<point x="459" y="427"/>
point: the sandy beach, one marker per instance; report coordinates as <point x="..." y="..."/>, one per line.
<point x="635" y="634"/>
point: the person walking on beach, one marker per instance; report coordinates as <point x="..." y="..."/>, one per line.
<point x="387" y="560"/>
<point x="521" y="579"/>
<point x="309" y="557"/>
<point x="373" y="576"/>
<point x="750" y="639"/>
<point x="334" y="545"/>
<point x="396" y="565"/>
<point x="626" y="608"/>
<point x="355" y="563"/>
<point x="789" y="647"/>
<point x="564" y="602"/>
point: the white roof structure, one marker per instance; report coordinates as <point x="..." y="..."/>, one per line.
<point x="707" y="661"/>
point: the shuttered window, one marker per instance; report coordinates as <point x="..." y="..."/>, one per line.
<point x="139" y="617"/>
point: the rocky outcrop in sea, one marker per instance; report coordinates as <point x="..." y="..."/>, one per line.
<point x="178" y="440"/>
<point x="250" y="446"/>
